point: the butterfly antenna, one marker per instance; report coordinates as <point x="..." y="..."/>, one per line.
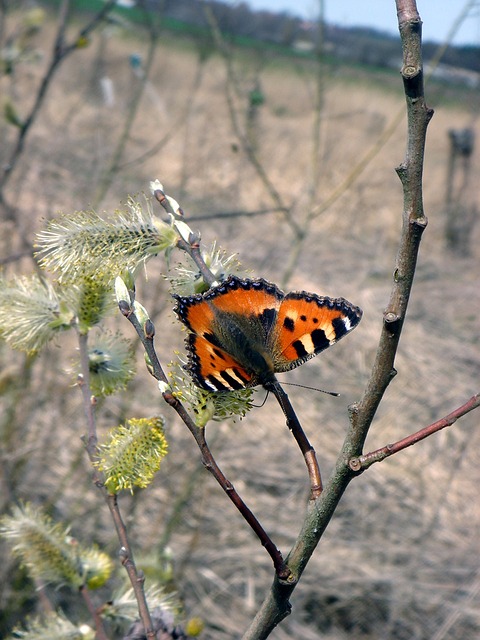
<point x="304" y="386"/>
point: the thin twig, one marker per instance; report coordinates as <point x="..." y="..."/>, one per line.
<point x="235" y="214"/>
<point x="361" y="463"/>
<point x="314" y="187"/>
<point x="385" y="136"/>
<point x="91" y="448"/>
<point x="88" y="400"/>
<point x="146" y="336"/>
<point x="60" y="52"/>
<point x="190" y="247"/>
<point x="248" y="148"/>
<point x="17" y="256"/>
<point x="469" y="597"/>
<point x="100" y="634"/>
<point x="298" y="433"/>
<point x="136" y="578"/>
<point x="112" y="170"/>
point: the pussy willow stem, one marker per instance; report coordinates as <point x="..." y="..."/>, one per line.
<point x="146" y="334"/>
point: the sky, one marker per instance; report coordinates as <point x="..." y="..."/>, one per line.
<point x="438" y="16"/>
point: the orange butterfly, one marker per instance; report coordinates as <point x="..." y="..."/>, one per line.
<point x="243" y="332"/>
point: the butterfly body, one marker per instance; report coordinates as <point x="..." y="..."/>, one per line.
<point x="242" y="332"/>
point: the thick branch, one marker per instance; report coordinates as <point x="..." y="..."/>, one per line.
<point x="414" y="223"/>
<point x="276" y="605"/>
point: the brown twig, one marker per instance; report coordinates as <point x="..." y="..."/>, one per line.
<point x="314" y="184"/>
<point x="190" y="246"/>
<point x="385" y="136"/>
<point x="100" y="633"/>
<point x="241" y="213"/>
<point x="16" y="257"/>
<point x="232" y="92"/>
<point x="146" y="335"/>
<point x="364" y="461"/>
<point x="136" y="578"/>
<point x="111" y="171"/>
<point x="414" y="223"/>
<point x="88" y="400"/>
<point x="298" y="433"/>
<point x="60" y="52"/>
<point x="276" y="605"/>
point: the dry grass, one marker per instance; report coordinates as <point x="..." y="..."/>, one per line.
<point x="399" y="558"/>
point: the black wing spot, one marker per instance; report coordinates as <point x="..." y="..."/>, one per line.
<point x="300" y="349"/>
<point x="340" y="328"/>
<point x="267" y="318"/>
<point x="289" y="324"/>
<point x="232" y="382"/>
<point x="319" y="339"/>
<point x="212" y="339"/>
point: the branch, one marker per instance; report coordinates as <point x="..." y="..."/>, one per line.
<point x="60" y="52"/>
<point x="88" y="401"/>
<point x="361" y="463"/>
<point x="192" y="247"/>
<point x="414" y="223"/>
<point x="99" y="628"/>
<point x="298" y="433"/>
<point x="111" y="171"/>
<point x="146" y="335"/>
<point x="249" y="150"/>
<point x="236" y="214"/>
<point x="136" y="578"/>
<point x="319" y="512"/>
<point x="385" y="136"/>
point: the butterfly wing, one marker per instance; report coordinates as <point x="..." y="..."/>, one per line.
<point x="212" y="368"/>
<point x="229" y="326"/>
<point x="243" y="331"/>
<point x="307" y="324"/>
<point x="244" y="298"/>
<point x="254" y="300"/>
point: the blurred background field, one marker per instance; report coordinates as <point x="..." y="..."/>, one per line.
<point x="400" y="558"/>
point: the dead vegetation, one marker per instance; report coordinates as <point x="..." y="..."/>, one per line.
<point x="396" y="561"/>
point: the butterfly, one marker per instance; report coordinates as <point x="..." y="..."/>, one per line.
<point x="242" y="331"/>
